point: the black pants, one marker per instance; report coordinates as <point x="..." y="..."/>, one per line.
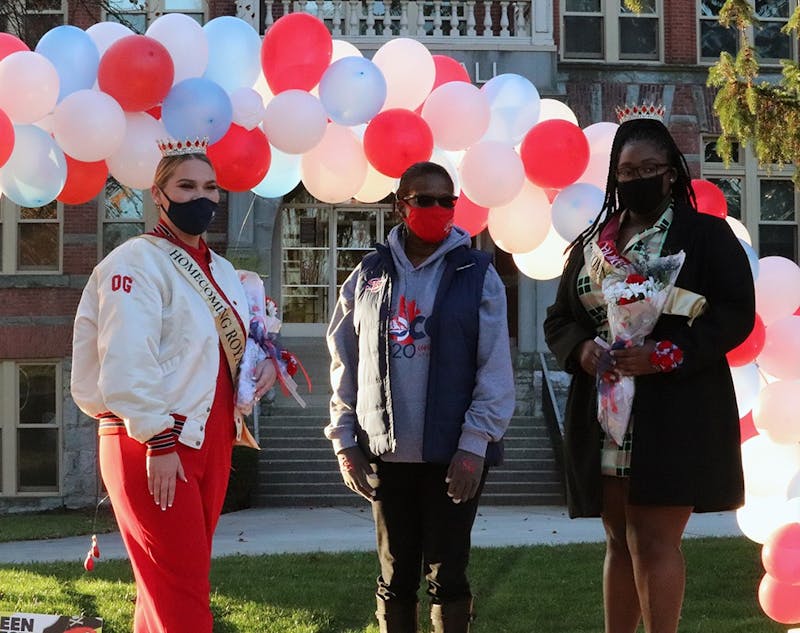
<point x="420" y="529"/>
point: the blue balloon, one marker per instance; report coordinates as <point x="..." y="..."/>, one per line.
<point x="74" y="55"/>
<point x="283" y="175"/>
<point x="37" y="169"/>
<point x="352" y="90"/>
<point x="234" y="53"/>
<point x="197" y="108"/>
<point x="752" y="258"/>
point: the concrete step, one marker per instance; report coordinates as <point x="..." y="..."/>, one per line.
<point x="331" y="486"/>
<point x="497" y="478"/>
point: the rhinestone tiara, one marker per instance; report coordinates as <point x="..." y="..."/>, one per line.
<point x="171" y="147"/>
<point x="644" y="111"/>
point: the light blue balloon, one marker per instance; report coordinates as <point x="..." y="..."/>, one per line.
<point x="75" y="56"/>
<point x="352" y="90"/>
<point x="234" y="53"/>
<point x="282" y="177"/>
<point x="197" y="108"/>
<point x="515" y="105"/>
<point x="752" y="258"/>
<point x="575" y="208"/>
<point x="37" y="169"/>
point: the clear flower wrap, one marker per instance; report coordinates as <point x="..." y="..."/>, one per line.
<point x="635" y="293"/>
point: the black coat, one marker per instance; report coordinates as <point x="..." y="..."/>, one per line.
<point x="686" y="445"/>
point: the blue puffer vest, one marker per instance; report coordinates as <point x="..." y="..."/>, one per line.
<point x="453" y="329"/>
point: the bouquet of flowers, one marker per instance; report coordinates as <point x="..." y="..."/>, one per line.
<point x="262" y="343"/>
<point x="635" y="293"/>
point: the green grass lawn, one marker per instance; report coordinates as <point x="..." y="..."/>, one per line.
<point x="538" y="589"/>
<point x="54" y="524"/>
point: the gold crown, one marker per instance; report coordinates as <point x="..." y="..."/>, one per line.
<point x="171" y="147"/>
<point x="644" y="111"/>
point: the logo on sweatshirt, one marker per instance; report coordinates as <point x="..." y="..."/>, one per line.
<point x="375" y="284"/>
<point x="408" y="325"/>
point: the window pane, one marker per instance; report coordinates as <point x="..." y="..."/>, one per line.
<point x="356" y="229"/>
<point x="305" y="227"/>
<point x="772" y="8"/>
<point x="715" y="39"/>
<point x="136" y="22"/>
<point x="711" y="155"/>
<point x="37" y="459"/>
<point x="777" y="200"/>
<point x="771" y="43"/>
<point x="115" y="233"/>
<point x="47" y="212"/>
<point x="732" y="188"/>
<point x="777" y="239"/>
<point x="305" y="305"/>
<point x="122" y="202"/>
<point x="638" y="37"/>
<point x="583" y="37"/>
<point x="184" y="5"/>
<point x="44" y="5"/>
<point x="711" y="8"/>
<point x="648" y="6"/>
<point x="37" y="24"/>
<point x="38" y="246"/>
<point x="584" y="6"/>
<point x="37" y="394"/>
<point x="305" y="266"/>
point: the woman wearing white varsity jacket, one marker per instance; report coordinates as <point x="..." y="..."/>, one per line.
<point x="158" y="336"/>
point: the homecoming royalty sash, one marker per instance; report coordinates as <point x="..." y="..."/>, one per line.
<point x="231" y="334"/>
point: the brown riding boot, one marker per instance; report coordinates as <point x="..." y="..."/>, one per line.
<point x="397" y="617"/>
<point x="452" y="617"/>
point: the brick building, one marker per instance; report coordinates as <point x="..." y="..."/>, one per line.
<point x="592" y="54"/>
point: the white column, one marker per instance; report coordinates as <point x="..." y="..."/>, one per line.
<point x="487" y="19"/>
<point x="504" y="32"/>
<point x="469" y="15"/>
<point x="454" y="18"/>
<point x="337" y="18"/>
<point x="437" y="18"/>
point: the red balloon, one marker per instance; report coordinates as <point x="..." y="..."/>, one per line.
<point x="155" y="112"/>
<point x="84" y="181"/>
<point x="747" y="428"/>
<point x="779" y="600"/>
<point x="7" y="137"/>
<point x="469" y="216"/>
<point x="241" y="158"/>
<point x="11" y="44"/>
<point x="555" y="153"/>
<point x="295" y="52"/>
<point x="395" y="139"/>
<point x="137" y="71"/>
<point x="448" y="69"/>
<point x="710" y="198"/>
<point x="751" y="347"/>
<point x="781" y="554"/>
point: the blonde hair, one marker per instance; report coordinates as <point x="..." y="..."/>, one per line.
<point x="167" y="166"/>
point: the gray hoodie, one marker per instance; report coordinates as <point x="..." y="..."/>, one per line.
<point x="414" y="291"/>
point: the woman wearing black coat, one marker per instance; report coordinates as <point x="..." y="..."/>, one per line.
<point x="681" y="453"/>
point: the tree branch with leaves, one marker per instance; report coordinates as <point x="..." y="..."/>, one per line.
<point x="753" y="111"/>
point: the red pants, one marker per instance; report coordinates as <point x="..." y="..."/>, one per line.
<point x="170" y="550"/>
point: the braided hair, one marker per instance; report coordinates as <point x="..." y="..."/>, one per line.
<point x="654" y="132"/>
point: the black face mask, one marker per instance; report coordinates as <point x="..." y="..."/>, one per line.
<point x="643" y="194"/>
<point x="191" y="217"/>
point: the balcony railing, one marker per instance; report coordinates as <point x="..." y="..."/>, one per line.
<point x="465" y="24"/>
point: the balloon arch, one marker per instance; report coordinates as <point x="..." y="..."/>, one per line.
<point x="302" y="107"/>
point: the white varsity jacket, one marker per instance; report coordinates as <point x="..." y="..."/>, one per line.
<point x="145" y="344"/>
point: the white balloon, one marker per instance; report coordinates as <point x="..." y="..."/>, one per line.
<point x="294" y="121"/>
<point x="335" y="170"/>
<point x="134" y="164"/>
<point x="36" y="171"/>
<point x="762" y="515"/>
<point x="555" y="109"/>
<point x="89" y="125"/>
<point x="739" y="229"/>
<point x="522" y="224"/>
<point x="450" y="161"/>
<point x="777" y="288"/>
<point x="458" y="114"/>
<point x="343" y="48"/>
<point x="768" y="466"/>
<point x="104" y="34"/>
<point x="29" y="86"/>
<point x="547" y="260"/>
<point x="248" y="108"/>
<point x="262" y="88"/>
<point x="793" y="489"/>
<point x="514" y="103"/>
<point x="186" y="42"/>
<point x="376" y="186"/>
<point x="600" y="137"/>
<point x="409" y="70"/>
<point x="492" y="174"/>
<point x="746" y="385"/>
<point x="282" y="177"/>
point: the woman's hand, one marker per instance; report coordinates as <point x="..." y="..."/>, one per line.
<point x="593" y="359"/>
<point x="264" y="375"/>
<point x="162" y="474"/>
<point x="635" y="361"/>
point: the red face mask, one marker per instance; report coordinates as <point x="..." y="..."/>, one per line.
<point x="430" y="224"/>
